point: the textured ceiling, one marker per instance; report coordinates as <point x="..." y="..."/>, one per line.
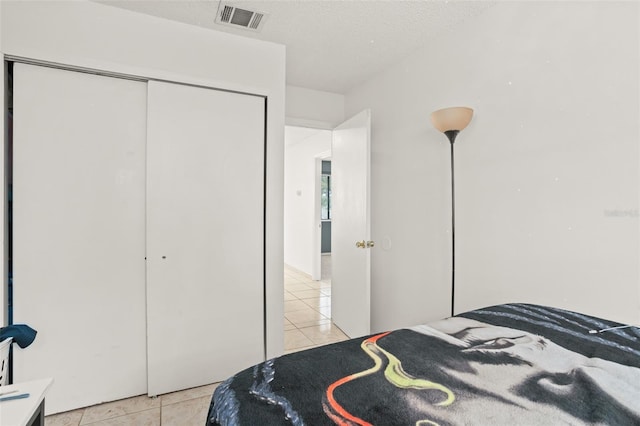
<point x="332" y="45"/>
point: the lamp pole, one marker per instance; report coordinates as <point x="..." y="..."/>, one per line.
<point x="451" y="134"/>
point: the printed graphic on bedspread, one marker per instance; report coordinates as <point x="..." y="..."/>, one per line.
<point x="393" y="373"/>
<point x="504" y="365"/>
<point x="522" y="378"/>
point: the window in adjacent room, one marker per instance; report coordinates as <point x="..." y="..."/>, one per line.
<point x="325" y="193"/>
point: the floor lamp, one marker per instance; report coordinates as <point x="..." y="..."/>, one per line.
<point x="451" y="121"/>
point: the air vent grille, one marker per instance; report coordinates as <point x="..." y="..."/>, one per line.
<point x="225" y="16"/>
<point x="255" y="22"/>
<point x="240" y="18"/>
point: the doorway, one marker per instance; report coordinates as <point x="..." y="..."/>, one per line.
<point x="348" y="146"/>
<point x="307" y="279"/>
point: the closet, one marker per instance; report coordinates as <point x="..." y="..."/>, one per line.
<point x="138" y="233"/>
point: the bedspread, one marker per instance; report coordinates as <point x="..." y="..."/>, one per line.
<point x="512" y="364"/>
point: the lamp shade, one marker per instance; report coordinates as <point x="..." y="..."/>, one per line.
<point x="454" y="118"/>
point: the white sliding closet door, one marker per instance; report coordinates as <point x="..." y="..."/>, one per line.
<point x="78" y="233"/>
<point x="205" y="235"/>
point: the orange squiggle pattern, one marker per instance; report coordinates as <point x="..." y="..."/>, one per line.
<point x="394" y="373"/>
<point x="334" y="410"/>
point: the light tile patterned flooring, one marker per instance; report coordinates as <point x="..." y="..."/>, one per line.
<point x="184" y="408"/>
<point x="307" y="310"/>
<point x="307" y="324"/>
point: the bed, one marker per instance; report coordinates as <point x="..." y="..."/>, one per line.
<point x="511" y="364"/>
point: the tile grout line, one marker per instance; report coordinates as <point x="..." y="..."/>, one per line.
<point x="160" y="406"/>
<point x="112" y="418"/>
<point x="84" y="411"/>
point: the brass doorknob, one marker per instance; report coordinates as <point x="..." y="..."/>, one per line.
<point x="365" y="244"/>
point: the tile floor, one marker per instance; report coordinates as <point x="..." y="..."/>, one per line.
<point x="307" y="324"/>
<point x="307" y="310"/>
<point x="184" y="408"/>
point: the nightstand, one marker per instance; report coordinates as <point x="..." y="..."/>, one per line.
<point x="25" y="411"/>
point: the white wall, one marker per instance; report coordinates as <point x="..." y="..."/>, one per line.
<point x="299" y="199"/>
<point x="547" y="163"/>
<point x="92" y="35"/>
<point x="313" y="108"/>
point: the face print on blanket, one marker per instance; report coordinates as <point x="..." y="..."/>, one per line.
<point x="505" y="375"/>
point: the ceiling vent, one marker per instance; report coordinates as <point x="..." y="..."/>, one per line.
<point x="240" y="18"/>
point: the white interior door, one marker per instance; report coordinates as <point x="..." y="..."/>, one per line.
<point x="78" y="233"/>
<point x="205" y="235"/>
<point x="350" y="275"/>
